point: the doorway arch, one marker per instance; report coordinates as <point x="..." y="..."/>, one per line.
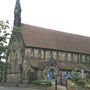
<point x="51" y="73"/>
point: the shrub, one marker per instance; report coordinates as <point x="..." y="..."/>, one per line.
<point x="41" y="82"/>
<point x="87" y="85"/>
<point x="89" y="81"/>
<point x="81" y="83"/>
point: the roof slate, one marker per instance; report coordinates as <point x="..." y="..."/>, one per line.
<point x="34" y="36"/>
<point x="41" y="64"/>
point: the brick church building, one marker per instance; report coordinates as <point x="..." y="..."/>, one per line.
<point x="37" y="51"/>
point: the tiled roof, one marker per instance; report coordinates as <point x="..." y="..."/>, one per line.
<point x="41" y="64"/>
<point x="70" y="66"/>
<point x="50" y="39"/>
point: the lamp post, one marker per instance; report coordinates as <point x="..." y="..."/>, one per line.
<point x="56" y="82"/>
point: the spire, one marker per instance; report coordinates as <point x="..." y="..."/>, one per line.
<point x="17" y="14"/>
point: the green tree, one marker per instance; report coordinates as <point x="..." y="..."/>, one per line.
<point x="4" y="36"/>
<point x="4" y="26"/>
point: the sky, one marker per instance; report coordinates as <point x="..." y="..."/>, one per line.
<point x="71" y="16"/>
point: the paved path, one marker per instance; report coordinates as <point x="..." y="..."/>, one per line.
<point x="61" y="87"/>
<point x="16" y="88"/>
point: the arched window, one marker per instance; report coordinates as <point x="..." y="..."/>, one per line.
<point x="36" y="53"/>
<point x="16" y="62"/>
<point x="13" y="61"/>
<point x="89" y="60"/>
<point x="51" y="54"/>
<point x="74" y="57"/>
<point x="57" y="55"/>
<point x="83" y="59"/>
<point x="39" y="54"/>
<point x="62" y="56"/>
<point x="54" y="55"/>
<point x="66" y="57"/>
<point x="32" y="53"/>
<point x="71" y="57"/>
<point x="27" y="53"/>
<point x="42" y="54"/>
<point x="80" y="58"/>
<point x="47" y="54"/>
<point x="86" y="58"/>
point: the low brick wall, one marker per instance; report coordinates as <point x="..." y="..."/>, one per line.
<point x="76" y="88"/>
<point x="59" y="87"/>
<point x="72" y="88"/>
<point x="53" y="85"/>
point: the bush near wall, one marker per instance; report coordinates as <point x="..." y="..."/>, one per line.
<point x="87" y="85"/>
<point x="81" y="83"/>
<point x="41" y="82"/>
